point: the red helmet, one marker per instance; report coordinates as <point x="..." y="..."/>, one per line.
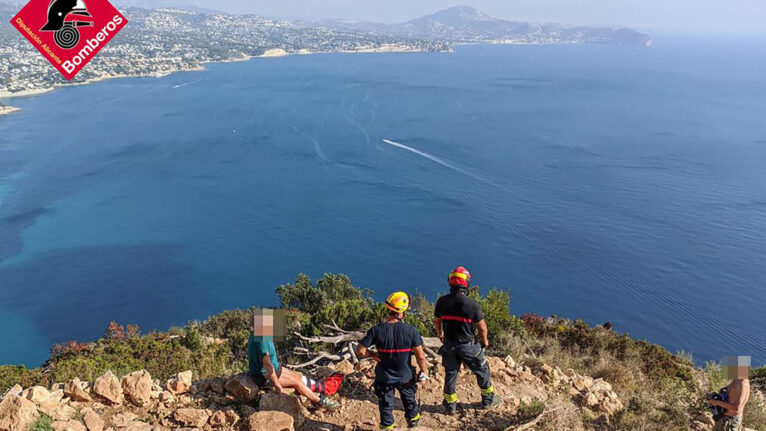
<point x="459" y="277"/>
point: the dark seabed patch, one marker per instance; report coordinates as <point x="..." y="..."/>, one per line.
<point x="83" y="289"/>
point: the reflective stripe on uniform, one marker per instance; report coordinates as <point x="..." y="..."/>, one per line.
<point x="488" y="391"/>
<point x="457" y="318"/>
<point x="387" y="427"/>
<point x="417" y="417"/>
<point x="394" y="350"/>
<point x="450" y="398"/>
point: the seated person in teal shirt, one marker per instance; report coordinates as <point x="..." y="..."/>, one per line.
<point x="267" y="372"/>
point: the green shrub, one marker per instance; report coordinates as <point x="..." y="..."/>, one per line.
<point x="421" y="315"/>
<point x="332" y="300"/>
<point x="313" y="298"/>
<point x="495" y="305"/>
<point x="44" y="423"/>
<point x="18" y="375"/>
<point x="529" y="411"/>
<point x="715" y="377"/>
<point x="193" y="338"/>
<point x="755" y="412"/>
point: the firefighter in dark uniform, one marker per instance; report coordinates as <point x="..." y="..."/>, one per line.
<point x="457" y="316"/>
<point x="396" y="342"/>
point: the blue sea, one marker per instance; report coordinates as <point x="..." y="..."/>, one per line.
<point x="608" y="183"/>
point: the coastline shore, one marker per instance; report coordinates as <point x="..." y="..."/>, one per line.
<point x="5" y="110"/>
<point x="269" y="53"/>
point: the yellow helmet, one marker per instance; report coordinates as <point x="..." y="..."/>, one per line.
<point x="398" y="301"/>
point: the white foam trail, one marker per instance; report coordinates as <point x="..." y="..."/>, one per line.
<point x="317" y="147"/>
<point x="438" y="160"/>
<point x="359" y="126"/>
<point x="185" y="84"/>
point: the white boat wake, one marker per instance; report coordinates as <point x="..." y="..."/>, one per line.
<point x="438" y="160"/>
<point x="185" y="84"/>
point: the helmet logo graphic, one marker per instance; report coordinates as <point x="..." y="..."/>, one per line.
<point x="398" y="302"/>
<point x="64" y="18"/>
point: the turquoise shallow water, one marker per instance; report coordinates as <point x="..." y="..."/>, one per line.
<point x="610" y="183"/>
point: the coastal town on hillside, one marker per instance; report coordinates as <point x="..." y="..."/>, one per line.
<point x="158" y="42"/>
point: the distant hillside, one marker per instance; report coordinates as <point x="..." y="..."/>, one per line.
<point x="463" y="24"/>
<point x="160" y="4"/>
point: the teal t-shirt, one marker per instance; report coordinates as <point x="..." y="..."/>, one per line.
<point x="255" y="351"/>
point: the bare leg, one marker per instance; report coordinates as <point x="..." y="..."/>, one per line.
<point x="293" y="379"/>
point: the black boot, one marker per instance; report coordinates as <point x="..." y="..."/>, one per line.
<point x="450" y="407"/>
<point x="489" y="401"/>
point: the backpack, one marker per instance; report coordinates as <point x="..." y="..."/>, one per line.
<point x="718" y="411"/>
<point x="333" y="383"/>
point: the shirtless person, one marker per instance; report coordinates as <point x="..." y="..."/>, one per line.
<point x="737" y="368"/>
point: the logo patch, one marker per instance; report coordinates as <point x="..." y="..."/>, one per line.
<point x="69" y="33"/>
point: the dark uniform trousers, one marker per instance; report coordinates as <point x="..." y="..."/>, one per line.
<point x="472" y="355"/>
<point x="387" y="396"/>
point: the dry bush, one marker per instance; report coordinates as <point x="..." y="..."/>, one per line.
<point x="755" y="412"/>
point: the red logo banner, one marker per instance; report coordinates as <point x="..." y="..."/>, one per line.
<point x="69" y="33"/>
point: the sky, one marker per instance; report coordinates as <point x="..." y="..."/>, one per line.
<point x="718" y="16"/>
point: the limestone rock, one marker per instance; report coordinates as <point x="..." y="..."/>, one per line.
<point x="590" y="400"/>
<point x="496" y="365"/>
<point x="224" y="418"/>
<point x="601" y="385"/>
<point x="509" y="362"/>
<point x="216" y="385"/>
<point x="14" y="390"/>
<point x="138" y="426"/>
<point x="56" y="396"/>
<point x="122" y="420"/>
<point x="108" y="387"/>
<point x="16" y="413"/>
<point x="180" y="383"/>
<point x="137" y="387"/>
<point x="345" y="366"/>
<point x="242" y="386"/>
<point x="63" y="413"/>
<point x="74" y="390"/>
<point x="70" y="425"/>
<point x="272" y="401"/>
<point x="610" y="405"/>
<point x="166" y="397"/>
<point x="196" y="418"/>
<point x="37" y="394"/>
<point x="270" y="421"/>
<point x="92" y="420"/>
<point x="184" y="399"/>
<point x="547" y="370"/>
<point x="582" y="383"/>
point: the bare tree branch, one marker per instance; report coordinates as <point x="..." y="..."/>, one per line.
<point x="322" y="355"/>
<point x="354" y="359"/>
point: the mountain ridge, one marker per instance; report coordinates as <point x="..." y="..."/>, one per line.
<point x="464" y="24"/>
